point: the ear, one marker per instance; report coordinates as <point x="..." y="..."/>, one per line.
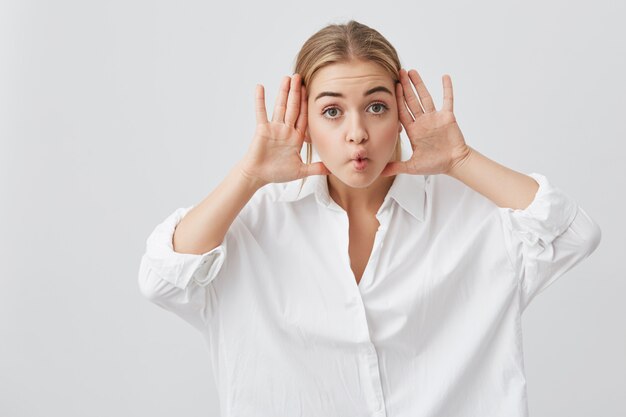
<point x="307" y="137"/>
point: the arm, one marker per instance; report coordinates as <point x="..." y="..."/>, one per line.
<point x="185" y="252"/>
<point x="205" y="226"/>
<point x="545" y="232"/>
<point x="178" y="280"/>
<point x="505" y="187"/>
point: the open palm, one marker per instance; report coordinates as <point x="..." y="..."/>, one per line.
<point x="274" y="154"/>
<point x="436" y="139"/>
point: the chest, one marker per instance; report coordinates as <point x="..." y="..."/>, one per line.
<point x="362" y="233"/>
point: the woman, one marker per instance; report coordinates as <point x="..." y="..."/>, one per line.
<point x="364" y="284"/>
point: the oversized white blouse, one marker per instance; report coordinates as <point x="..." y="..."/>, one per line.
<point x="432" y="329"/>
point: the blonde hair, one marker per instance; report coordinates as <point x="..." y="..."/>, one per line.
<point x="337" y="43"/>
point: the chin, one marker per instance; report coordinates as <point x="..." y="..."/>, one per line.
<point x="358" y="180"/>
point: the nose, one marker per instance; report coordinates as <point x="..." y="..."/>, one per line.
<point x="356" y="130"/>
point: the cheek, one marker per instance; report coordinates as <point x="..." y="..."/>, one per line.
<point x="320" y="133"/>
<point x="389" y="133"/>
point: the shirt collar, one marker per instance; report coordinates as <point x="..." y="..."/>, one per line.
<point x="408" y="190"/>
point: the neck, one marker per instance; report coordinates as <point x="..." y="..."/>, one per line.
<point x="351" y="199"/>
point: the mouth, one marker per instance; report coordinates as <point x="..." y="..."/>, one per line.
<point x="360" y="163"/>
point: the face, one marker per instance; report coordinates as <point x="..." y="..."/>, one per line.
<point x="352" y="110"/>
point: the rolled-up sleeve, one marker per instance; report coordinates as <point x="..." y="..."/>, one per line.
<point x="547" y="238"/>
<point x="179" y="282"/>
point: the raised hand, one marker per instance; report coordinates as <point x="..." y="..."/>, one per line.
<point x="437" y="142"/>
<point x="274" y="154"/>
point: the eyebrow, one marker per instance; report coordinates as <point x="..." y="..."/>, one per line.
<point x="367" y="93"/>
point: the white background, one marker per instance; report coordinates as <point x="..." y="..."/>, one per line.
<point x="115" y="113"/>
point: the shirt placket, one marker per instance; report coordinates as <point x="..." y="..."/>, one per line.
<point x="369" y="369"/>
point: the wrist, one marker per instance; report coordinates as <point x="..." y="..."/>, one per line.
<point x="250" y="181"/>
<point x="460" y="162"/>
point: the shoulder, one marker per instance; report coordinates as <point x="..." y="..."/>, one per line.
<point x="261" y="204"/>
<point x="269" y="193"/>
<point x="449" y="193"/>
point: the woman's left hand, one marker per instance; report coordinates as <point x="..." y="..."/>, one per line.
<point x="437" y="142"/>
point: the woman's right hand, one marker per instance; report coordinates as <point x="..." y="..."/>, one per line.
<point x="274" y="154"/>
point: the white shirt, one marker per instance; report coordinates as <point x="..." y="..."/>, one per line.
<point x="433" y="328"/>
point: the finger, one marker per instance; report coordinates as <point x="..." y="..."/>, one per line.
<point x="261" y="114"/>
<point x="448" y="96"/>
<point x="425" y="98"/>
<point x="303" y="118"/>
<point x="403" y="113"/>
<point x="293" y="101"/>
<point x="409" y="95"/>
<point x="281" y="101"/>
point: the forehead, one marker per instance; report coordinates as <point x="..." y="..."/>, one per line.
<point x="345" y="76"/>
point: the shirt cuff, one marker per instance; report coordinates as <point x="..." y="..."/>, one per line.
<point x="180" y="268"/>
<point x="549" y="214"/>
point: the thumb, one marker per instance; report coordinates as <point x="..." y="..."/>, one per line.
<point x="316" y="168"/>
<point x="393" y="168"/>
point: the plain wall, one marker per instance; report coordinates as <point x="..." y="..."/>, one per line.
<point x="113" y="114"/>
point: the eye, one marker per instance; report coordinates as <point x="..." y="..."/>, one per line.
<point x="383" y="105"/>
<point x="330" y="109"/>
<point x="382" y="109"/>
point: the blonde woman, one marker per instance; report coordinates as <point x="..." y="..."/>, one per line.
<point x="368" y="283"/>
